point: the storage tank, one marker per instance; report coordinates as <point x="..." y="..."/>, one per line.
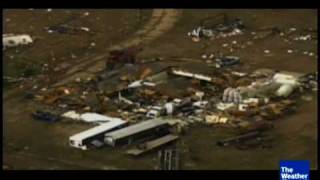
<point x="284" y="90"/>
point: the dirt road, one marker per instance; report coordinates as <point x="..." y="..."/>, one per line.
<point x="161" y="21"/>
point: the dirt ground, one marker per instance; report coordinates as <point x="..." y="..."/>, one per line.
<point x="30" y="144"/>
<point x="62" y="51"/>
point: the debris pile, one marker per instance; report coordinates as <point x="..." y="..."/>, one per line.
<point x="151" y="103"/>
<point x="66" y="29"/>
<point x="225" y="29"/>
<point x="175" y="97"/>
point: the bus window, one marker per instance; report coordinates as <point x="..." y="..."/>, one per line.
<point x="71" y="142"/>
<point x="12" y="42"/>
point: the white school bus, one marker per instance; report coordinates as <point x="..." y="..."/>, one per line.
<point x="83" y="139"/>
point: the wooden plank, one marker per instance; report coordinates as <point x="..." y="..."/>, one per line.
<point x="152" y="145"/>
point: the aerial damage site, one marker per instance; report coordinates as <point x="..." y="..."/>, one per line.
<point x="159" y="89"/>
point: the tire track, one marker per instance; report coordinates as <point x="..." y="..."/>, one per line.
<point x="161" y="21"/>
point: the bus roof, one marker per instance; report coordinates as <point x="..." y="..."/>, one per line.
<point x="97" y="130"/>
<point x="130" y="130"/>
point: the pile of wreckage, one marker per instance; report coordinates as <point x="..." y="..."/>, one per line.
<point x="213" y="30"/>
<point x="152" y="103"/>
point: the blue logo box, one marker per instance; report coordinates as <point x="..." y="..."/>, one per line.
<point x="295" y="170"/>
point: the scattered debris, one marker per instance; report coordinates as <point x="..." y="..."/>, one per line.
<point x="227" y="61"/>
<point x="85" y="29"/>
<point x="226" y="29"/>
<point x="139" y="83"/>
<point x="292" y="29"/>
<point x="71" y="115"/>
<point x="239" y="74"/>
<point x="66" y="29"/>
<point x="223" y="106"/>
<point x="303" y="38"/>
<point x="215" y="119"/>
<point x="157" y="100"/>
<point x="86" y="14"/>
<point x="45" y="116"/>
<point x="155" y="111"/>
<point x="188" y="74"/>
<point x="93" y="44"/>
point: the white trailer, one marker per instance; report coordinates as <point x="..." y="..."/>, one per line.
<point x="83" y="139"/>
<point x="12" y="40"/>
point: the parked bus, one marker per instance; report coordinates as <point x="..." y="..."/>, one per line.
<point x="144" y="130"/>
<point x="83" y="139"/>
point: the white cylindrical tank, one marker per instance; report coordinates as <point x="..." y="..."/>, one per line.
<point x="284" y="90"/>
<point x="285" y="79"/>
<point x="169" y="108"/>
